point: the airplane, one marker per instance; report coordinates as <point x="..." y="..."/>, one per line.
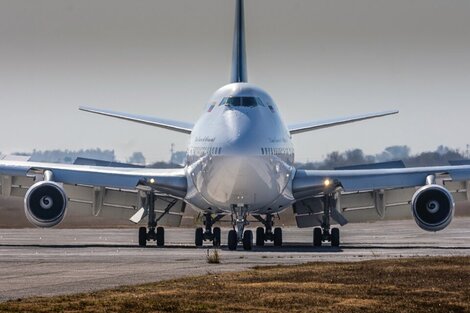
<point x="240" y="163"/>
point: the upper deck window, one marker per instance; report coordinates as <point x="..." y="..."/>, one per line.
<point x="249" y="102"/>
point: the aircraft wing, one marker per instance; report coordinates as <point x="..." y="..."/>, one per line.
<point x="314" y="125"/>
<point x="371" y="194"/>
<point x="171" y="182"/>
<point x="178" y="126"/>
<point x="360" y="180"/>
<point x="112" y="192"/>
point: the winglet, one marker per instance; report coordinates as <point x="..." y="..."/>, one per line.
<point x="239" y="70"/>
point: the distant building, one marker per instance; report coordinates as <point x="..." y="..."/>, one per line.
<point x="178" y="157"/>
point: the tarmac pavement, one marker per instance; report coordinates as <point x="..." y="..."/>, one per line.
<point x="45" y="262"/>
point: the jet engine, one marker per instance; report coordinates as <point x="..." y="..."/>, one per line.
<point x="45" y="204"/>
<point x="433" y="207"/>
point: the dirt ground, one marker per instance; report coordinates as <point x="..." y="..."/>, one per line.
<point x="406" y="285"/>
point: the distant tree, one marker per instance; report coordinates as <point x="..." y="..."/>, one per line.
<point x="353" y="157"/>
<point x="164" y="165"/>
<point x="137" y="158"/>
<point x="441" y="156"/>
<point x="394" y="153"/>
<point x="66" y="156"/>
<point x="442" y="150"/>
<point x="332" y="160"/>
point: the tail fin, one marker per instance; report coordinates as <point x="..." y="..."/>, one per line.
<point x="239" y="72"/>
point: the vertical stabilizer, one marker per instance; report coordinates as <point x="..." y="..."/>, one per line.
<point x="239" y="74"/>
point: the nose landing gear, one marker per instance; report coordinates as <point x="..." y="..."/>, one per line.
<point x="239" y="234"/>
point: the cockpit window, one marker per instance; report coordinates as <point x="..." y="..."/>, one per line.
<point x="249" y="102"/>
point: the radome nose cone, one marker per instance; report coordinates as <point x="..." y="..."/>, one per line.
<point x="241" y="132"/>
<point x="251" y="181"/>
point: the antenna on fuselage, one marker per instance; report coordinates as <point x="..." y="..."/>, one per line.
<point x="239" y="72"/>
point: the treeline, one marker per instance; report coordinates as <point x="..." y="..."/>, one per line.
<point x="441" y="156"/>
<point x="69" y="156"/>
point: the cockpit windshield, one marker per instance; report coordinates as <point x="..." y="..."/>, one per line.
<point x="242" y="102"/>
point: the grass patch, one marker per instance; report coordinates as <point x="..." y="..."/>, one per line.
<point x="213" y="256"/>
<point x="403" y="285"/>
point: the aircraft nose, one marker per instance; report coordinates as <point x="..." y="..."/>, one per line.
<point x="242" y="131"/>
<point x="253" y="181"/>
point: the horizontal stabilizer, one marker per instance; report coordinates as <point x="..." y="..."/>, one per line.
<point x="314" y="125"/>
<point x="96" y="162"/>
<point x="178" y="126"/>
<point x="374" y="166"/>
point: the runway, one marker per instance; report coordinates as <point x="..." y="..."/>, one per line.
<point x="44" y="262"/>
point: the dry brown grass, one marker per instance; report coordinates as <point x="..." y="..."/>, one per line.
<point x="213" y="256"/>
<point x="408" y="285"/>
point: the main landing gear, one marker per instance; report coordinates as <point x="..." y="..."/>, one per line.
<point x="210" y="234"/>
<point x="152" y="232"/>
<point x="265" y="234"/>
<point x="324" y="233"/>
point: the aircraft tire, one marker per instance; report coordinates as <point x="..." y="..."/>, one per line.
<point x="232" y="240"/>
<point x="317" y="237"/>
<point x="142" y="236"/>
<point x="199" y="237"/>
<point x="217" y="234"/>
<point x="335" y="237"/>
<point x="260" y="236"/>
<point x="277" y="237"/>
<point x="248" y="240"/>
<point x="160" y="236"/>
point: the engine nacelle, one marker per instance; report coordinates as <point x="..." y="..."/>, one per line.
<point x="433" y="207"/>
<point x="45" y="204"/>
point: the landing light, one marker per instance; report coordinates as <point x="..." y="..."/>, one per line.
<point x="327" y="182"/>
<point x="152" y="181"/>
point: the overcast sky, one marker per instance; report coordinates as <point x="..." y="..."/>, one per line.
<point x="318" y="59"/>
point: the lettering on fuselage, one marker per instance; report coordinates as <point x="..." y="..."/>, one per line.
<point x="277" y="140"/>
<point x="204" y="139"/>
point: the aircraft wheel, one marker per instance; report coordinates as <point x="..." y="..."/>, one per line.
<point x="232" y="240"/>
<point x="142" y="236"/>
<point x="260" y="236"/>
<point x="160" y="236"/>
<point x="216" y="232"/>
<point x="317" y="237"/>
<point x="277" y="237"/>
<point x="248" y="240"/>
<point x="335" y="237"/>
<point x="199" y="238"/>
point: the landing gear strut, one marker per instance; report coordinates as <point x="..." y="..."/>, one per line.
<point x="265" y="234"/>
<point x="326" y="233"/>
<point x="211" y="234"/>
<point x="152" y="232"/>
<point x="238" y="233"/>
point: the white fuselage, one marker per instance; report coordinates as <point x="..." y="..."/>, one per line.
<point x="240" y="154"/>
